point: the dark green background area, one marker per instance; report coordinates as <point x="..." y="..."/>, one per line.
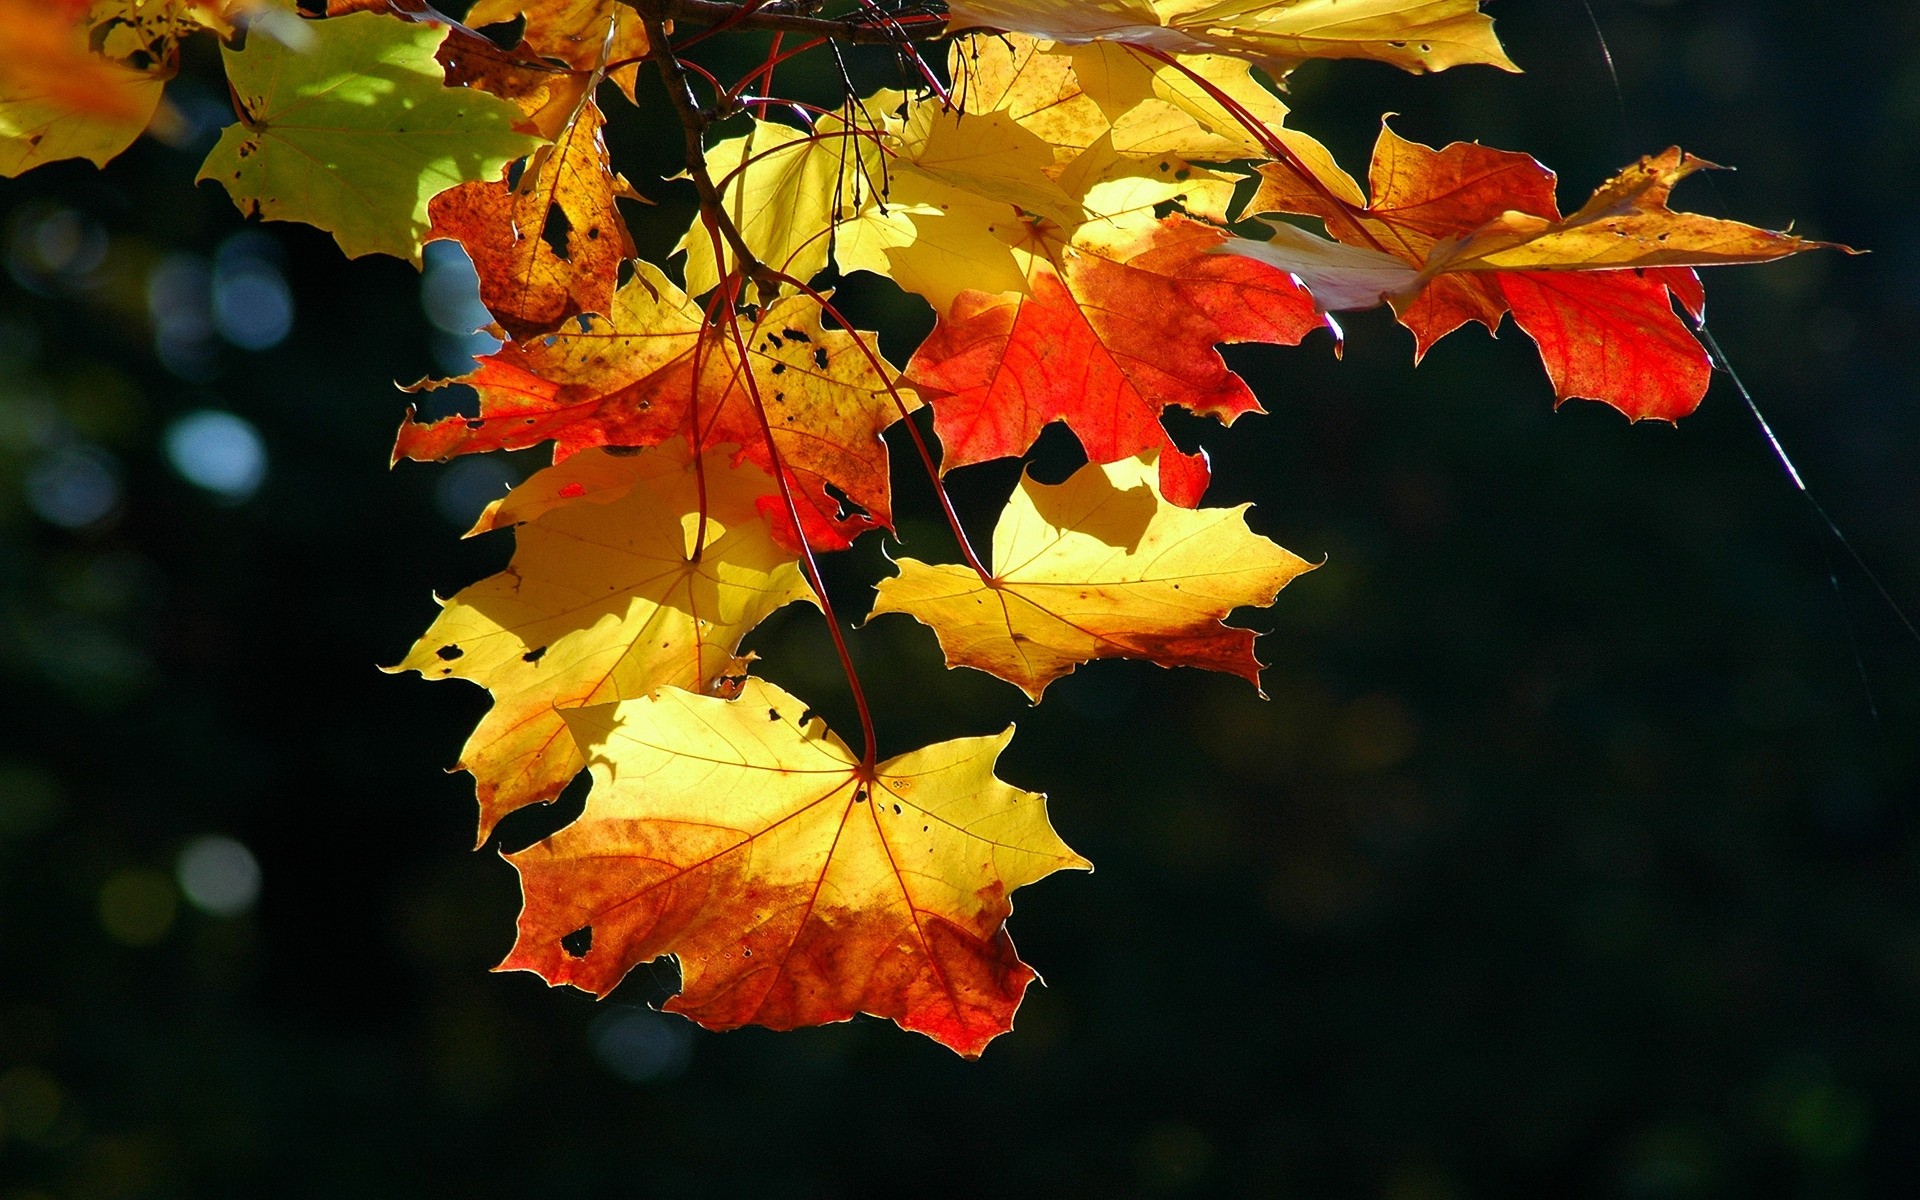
<point x="1566" y="858"/>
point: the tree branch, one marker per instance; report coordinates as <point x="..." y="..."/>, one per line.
<point x="774" y="18"/>
<point x="693" y="126"/>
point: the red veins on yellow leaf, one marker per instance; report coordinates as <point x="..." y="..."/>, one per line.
<point x="632" y="572"/>
<point x="1108" y="335"/>
<point x="656" y="368"/>
<point x="1100" y="566"/>
<point x="794" y="885"/>
<point x="1061" y="197"/>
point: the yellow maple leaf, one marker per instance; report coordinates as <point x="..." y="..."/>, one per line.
<point x="1625" y="224"/>
<point x="1072" y="96"/>
<point x="60" y="100"/>
<point x="794" y="885"/>
<point x="1415" y="35"/>
<point x="1100" y="566"/>
<point x="909" y="188"/>
<point x="621" y="583"/>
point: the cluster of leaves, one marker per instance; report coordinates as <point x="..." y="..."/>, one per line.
<point x="1091" y="195"/>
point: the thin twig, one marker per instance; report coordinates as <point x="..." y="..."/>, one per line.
<point x="770" y="18"/>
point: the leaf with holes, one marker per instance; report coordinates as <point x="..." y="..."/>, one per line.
<point x="1111" y="331"/>
<point x="795" y="886"/>
<point x="550" y="246"/>
<point x="629" y="379"/>
<point x="60" y="100"/>
<point x="631" y="572"/>
<point x="586" y="35"/>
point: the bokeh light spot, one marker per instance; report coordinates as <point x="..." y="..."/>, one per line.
<point x="450" y="296"/>
<point x="640" y="1045"/>
<point x="218" y="875"/>
<point x="74" y="486"/>
<point x="252" y="304"/>
<point x="180" y="305"/>
<point x="137" y="906"/>
<point x="218" y="451"/>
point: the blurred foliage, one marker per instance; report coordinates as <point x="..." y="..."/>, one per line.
<point x="1574" y="854"/>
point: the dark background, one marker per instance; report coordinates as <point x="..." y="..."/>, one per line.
<point x="1575" y="853"/>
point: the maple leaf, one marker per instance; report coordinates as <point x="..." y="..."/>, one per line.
<point x="794" y="886"/>
<point x="550" y="246"/>
<point x="655" y="368"/>
<point x="151" y="30"/>
<point x="1109" y="333"/>
<point x="1415" y="35"/>
<point x="1072" y="96"/>
<point x="963" y="188"/>
<point x="1100" y="566"/>
<point x="60" y="100"/>
<point x="549" y="98"/>
<point x="1470" y="233"/>
<point x="784" y="189"/>
<point x="630" y="572"/>
<point x="584" y="34"/>
<point x="357" y="133"/>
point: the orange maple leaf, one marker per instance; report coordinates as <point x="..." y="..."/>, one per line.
<point x="550" y="246"/>
<point x="795" y="885"/>
<point x="655" y="368"/>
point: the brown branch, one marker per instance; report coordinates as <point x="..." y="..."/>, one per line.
<point x="774" y="19"/>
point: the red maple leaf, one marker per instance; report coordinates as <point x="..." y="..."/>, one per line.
<point x="1609" y="335"/>
<point x="1109" y="334"/>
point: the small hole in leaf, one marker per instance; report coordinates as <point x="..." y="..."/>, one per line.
<point x="448" y="653"/>
<point x="579" y="942"/>
<point x="554" y="232"/>
<point x="847" y="508"/>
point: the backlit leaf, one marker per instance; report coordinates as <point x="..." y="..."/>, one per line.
<point x="549" y="247"/>
<point x="357" y="134"/>
<point x="629" y="379"/>
<point x="1108" y="335"/>
<point x="794" y="887"/>
<point x="576" y="33"/>
<point x="1415" y="35"/>
<point x="1100" y="566"/>
<point x="1469" y="233"/>
<point x="618" y="586"/>
<point x="58" y="99"/>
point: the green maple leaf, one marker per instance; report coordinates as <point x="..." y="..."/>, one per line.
<point x="357" y="132"/>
